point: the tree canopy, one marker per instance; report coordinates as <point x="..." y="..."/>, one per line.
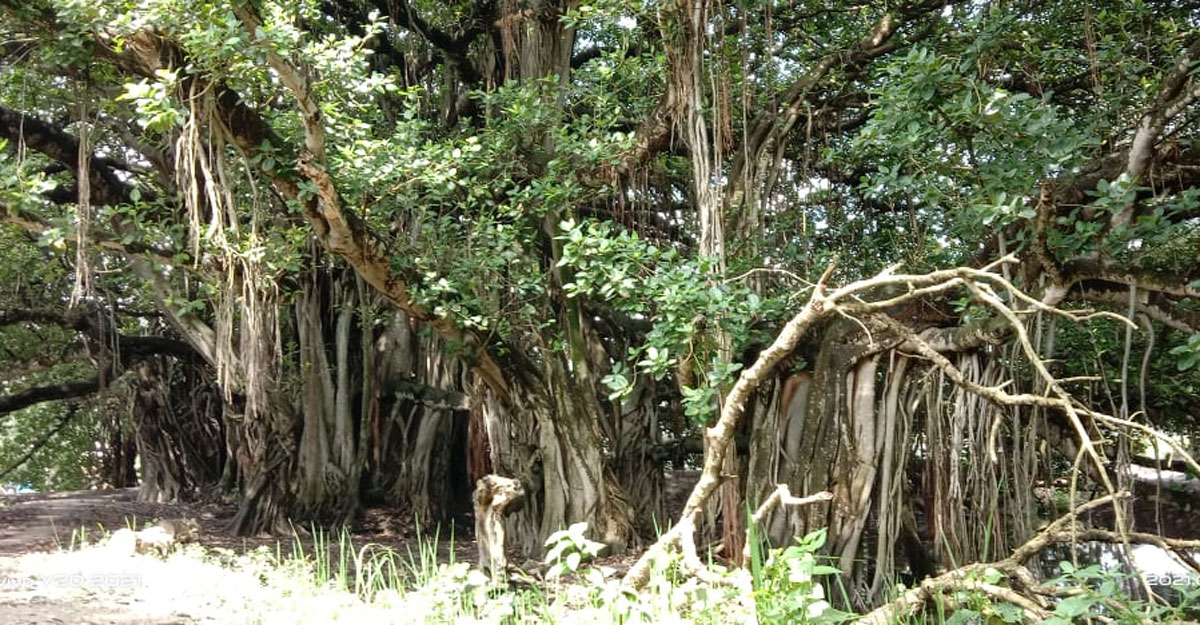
<point x="343" y="249"/>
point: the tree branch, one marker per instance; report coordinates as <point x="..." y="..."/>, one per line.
<point x="1079" y="269"/>
<point x="1171" y="99"/>
<point x="454" y="47"/>
<point x="342" y="233"/>
<point x="35" y="225"/>
<point x="56" y="144"/>
<point x="51" y="392"/>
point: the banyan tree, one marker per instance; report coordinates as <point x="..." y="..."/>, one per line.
<point x="928" y="257"/>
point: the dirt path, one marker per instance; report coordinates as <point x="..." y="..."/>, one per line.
<point x="45" y="578"/>
<point x="56" y="568"/>
<point x="92" y="586"/>
<point x="39" y="522"/>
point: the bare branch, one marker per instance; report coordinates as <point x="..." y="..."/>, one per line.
<point x="1172" y="98"/>
<point x="51" y="392"/>
<point x="719" y="435"/>
<point x="781" y="496"/>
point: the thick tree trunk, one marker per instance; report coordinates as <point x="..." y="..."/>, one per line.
<point x="419" y="424"/>
<point x="179" y="452"/>
<point x="774" y="449"/>
<point x="120" y="457"/>
<point x="893" y="441"/>
<point x="344" y="419"/>
<point x="267" y="460"/>
<point x="823" y="436"/>
<point x="368" y="401"/>
<point x="259" y="424"/>
<point x="163" y="477"/>
<point x="858" y="459"/>
<point x="436" y="462"/>
<point x="553" y="444"/>
<point x="767" y="455"/>
<point x="577" y="486"/>
<point x="638" y="470"/>
<point x="512" y="443"/>
<point x="334" y="407"/>
<point x="317" y="474"/>
<point x="820" y="433"/>
<point x="328" y="443"/>
<point x="847" y="426"/>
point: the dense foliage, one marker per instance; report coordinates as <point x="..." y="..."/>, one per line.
<point x="345" y="249"/>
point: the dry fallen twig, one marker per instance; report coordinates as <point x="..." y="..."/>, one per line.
<point x="853" y="300"/>
<point x="781" y="496"/>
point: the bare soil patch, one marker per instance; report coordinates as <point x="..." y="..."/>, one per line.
<point x="55" y="567"/>
<point x="39" y="522"/>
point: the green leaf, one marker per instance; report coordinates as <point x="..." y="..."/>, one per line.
<point x="1007" y="612"/>
<point x="963" y="616"/>
<point x="1072" y="607"/>
<point x="813" y="540"/>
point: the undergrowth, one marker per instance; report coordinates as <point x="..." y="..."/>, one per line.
<point x="331" y="579"/>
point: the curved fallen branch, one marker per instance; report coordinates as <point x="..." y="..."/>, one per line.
<point x="819" y="306"/>
<point x="852" y="300"/>
<point x="721" y="433"/>
<point x="781" y="496"/>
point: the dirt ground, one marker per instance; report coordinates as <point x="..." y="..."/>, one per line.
<point x="45" y="579"/>
<point x="55" y="567"/>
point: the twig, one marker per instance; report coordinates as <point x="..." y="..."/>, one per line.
<point x="781" y="496"/>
